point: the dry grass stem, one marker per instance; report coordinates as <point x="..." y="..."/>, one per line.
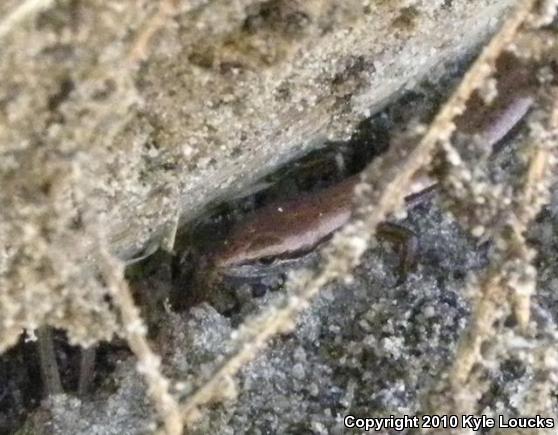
<point x="511" y="279"/>
<point x="513" y="274"/>
<point x="22" y="12"/>
<point x="86" y="369"/>
<point x="135" y="333"/>
<point x="50" y="373"/>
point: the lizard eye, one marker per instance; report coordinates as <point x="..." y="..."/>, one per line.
<point x="266" y="261"/>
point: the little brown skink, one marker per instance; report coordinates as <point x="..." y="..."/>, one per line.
<point x="287" y="228"/>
